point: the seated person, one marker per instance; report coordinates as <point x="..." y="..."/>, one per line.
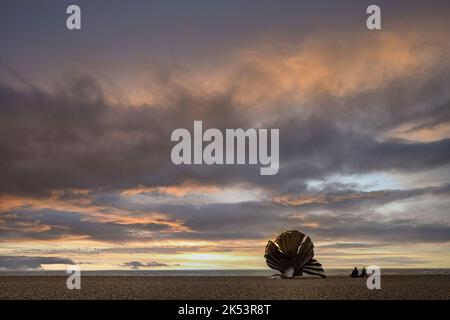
<point x="363" y="273"/>
<point x="354" y="273"/>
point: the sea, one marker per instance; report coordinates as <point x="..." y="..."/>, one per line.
<point x="212" y="273"/>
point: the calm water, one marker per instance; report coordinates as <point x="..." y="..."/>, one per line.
<point x="223" y="273"/>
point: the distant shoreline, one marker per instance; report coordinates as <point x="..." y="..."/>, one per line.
<point x="216" y="272"/>
<point x="224" y="288"/>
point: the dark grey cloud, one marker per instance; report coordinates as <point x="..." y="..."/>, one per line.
<point x="24" y="262"/>
<point x="327" y="222"/>
<point x="347" y="215"/>
<point x="138" y="265"/>
<point x="393" y="231"/>
<point x="351" y="245"/>
<point x="349" y="199"/>
<point x="332" y="229"/>
<point x="74" y="138"/>
<point x="317" y="149"/>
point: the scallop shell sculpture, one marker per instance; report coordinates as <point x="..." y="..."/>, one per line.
<point x="292" y="254"/>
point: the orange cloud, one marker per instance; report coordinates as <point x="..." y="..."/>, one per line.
<point x="83" y="205"/>
<point x="326" y="198"/>
<point x="428" y="134"/>
<point x="330" y="66"/>
<point x="175" y="190"/>
<point x="141" y="218"/>
<point x="9" y="202"/>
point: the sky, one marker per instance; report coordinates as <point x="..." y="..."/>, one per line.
<point x="86" y="117"/>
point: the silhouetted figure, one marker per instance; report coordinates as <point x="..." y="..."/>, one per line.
<point x="354" y="273"/>
<point x="363" y="273"/>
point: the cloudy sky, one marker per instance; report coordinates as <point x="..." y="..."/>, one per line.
<point x="86" y="116"/>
